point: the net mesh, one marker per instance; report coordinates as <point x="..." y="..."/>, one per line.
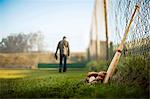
<point x="138" y="42"/>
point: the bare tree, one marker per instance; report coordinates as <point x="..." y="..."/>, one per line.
<point x="22" y="42"/>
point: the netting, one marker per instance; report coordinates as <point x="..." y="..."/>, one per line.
<point x="120" y="11"/>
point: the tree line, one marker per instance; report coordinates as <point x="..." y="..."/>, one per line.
<point x="22" y="42"/>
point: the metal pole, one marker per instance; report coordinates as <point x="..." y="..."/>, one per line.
<point x="96" y="30"/>
<point x="106" y="29"/>
<point x="92" y="44"/>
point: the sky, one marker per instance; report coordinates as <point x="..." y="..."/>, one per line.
<point x="54" y="18"/>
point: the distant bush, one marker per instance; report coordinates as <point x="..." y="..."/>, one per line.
<point x="133" y="70"/>
<point x="101" y="65"/>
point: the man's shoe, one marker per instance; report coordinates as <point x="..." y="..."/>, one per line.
<point x="59" y="70"/>
<point x="64" y="70"/>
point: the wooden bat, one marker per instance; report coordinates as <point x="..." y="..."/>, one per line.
<point x="117" y="55"/>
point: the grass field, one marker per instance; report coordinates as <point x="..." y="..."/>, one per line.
<point x="51" y="84"/>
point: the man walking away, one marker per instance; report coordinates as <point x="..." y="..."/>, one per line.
<point x="64" y="52"/>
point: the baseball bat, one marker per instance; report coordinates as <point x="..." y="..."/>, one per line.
<point x="117" y="55"/>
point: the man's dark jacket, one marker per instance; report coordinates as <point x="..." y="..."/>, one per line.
<point x="63" y="47"/>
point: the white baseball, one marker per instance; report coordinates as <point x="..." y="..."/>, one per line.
<point x="92" y="78"/>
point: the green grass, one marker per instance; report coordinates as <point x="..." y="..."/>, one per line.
<point x="51" y="84"/>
